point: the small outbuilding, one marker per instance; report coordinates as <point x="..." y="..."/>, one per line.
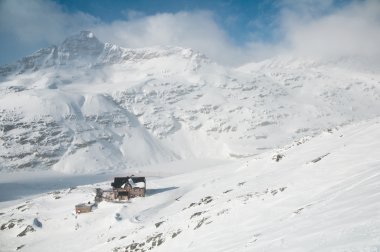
<point x="84" y="207"/>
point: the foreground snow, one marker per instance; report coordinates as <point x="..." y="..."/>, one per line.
<point x="322" y="195"/>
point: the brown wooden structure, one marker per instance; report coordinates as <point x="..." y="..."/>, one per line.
<point x="84" y="208"/>
<point x="123" y="188"/>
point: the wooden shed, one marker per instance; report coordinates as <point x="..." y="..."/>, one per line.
<point x="84" y="208"/>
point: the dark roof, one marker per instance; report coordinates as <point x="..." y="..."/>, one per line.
<point x="119" y="181"/>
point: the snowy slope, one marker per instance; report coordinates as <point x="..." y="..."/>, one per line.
<point x="322" y="195"/>
<point x="111" y="108"/>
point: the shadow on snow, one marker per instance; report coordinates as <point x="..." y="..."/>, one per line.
<point x="150" y="192"/>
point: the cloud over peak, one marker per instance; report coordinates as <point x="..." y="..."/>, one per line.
<point x="305" y="28"/>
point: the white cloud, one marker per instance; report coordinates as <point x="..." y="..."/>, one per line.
<point x="40" y="20"/>
<point x="302" y="28"/>
<point x="353" y="31"/>
<point x="197" y="30"/>
<point x="34" y="24"/>
<point x="26" y="26"/>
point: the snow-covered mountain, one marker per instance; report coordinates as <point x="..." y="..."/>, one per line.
<point x="279" y="155"/>
<point x="85" y="106"/>
<point x="85" y="50"/>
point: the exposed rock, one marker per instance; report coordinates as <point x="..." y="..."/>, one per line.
<point x="37" y="223"/>
<point x="28" y="229"/>
<point x="278" y="157"/>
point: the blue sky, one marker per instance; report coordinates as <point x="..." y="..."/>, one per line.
<point x="230" y="32"/>
<point x="239" y="18"/>
<point x="236" y="17"/>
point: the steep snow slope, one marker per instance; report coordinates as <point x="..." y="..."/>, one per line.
<point x="86" y="102"/>
<point x="322" y="195"/>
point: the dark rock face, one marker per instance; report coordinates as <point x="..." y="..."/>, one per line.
<point x="80" y="46"/>
<point x="38" y="143"/>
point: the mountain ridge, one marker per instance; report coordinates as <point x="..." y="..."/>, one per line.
<point x="123" y="108"/>
<point x="84" y="49"/>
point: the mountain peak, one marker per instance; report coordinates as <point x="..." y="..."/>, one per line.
<point x="87" y="34"/>
<point x="83" y="49"/>
<point x="83" y="44"/>
<point x="82" y="36"/>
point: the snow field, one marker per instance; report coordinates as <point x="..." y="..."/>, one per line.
<point x="307" y="201"/>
